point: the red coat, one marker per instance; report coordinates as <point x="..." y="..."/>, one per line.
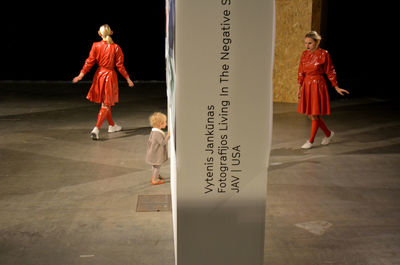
<point x="104" y="88"/>
<point x="314" y="99"/>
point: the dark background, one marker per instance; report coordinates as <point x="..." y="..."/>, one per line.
<point x="51" y="42"/>
<point x="359" y="36"/>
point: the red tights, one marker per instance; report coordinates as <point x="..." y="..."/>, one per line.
<point x="318" y="123"/>
<point x="105" y="112"/>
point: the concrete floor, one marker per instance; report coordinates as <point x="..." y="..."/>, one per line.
<point x="66" y="200"/>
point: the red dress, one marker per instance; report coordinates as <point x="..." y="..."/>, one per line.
<point x="314" y="99"/>
<point x="104" y="88"/>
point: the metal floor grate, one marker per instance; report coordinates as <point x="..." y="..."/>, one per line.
<point x="153" y="203"/>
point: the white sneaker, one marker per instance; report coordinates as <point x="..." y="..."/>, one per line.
<point x="95" y="133"/>
<point x="327" y="140"/>
<point x="307" y="145"/>
<point x="115" y="128"/>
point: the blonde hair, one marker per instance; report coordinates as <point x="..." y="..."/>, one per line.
<point x="157" y="118"/>
<point x="314" y="35"/>
<point x="106" y="32"/>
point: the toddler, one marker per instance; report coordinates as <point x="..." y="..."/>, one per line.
<point x="156" y="153"/>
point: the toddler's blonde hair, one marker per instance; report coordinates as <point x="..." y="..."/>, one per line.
<point x="157" y="118"/>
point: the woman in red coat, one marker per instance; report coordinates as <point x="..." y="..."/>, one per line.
<point x="104" y="89"/>
<point x="312" y="88"/>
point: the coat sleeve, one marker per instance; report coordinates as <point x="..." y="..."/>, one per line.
<point x="330" y="70"/>
<point x="120" y="63"/>
<point x="301" y="74"/>
<point x="90" y="61"/>
<point x="161" y="140"/>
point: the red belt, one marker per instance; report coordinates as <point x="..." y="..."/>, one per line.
<point x="105" y="68"/>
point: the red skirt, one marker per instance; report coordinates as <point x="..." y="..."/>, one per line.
<point x="104" y="88"/>
<point x="314" y="99"/>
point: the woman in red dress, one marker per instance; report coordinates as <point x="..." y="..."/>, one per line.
<point x="312" y="89"/>
<point x="104" y="89"/>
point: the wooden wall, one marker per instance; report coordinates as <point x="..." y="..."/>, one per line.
<point x="294" y="18"/>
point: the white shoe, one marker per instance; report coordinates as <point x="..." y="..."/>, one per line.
<point x="307" y="145"/>
<point x="95" y="133"/>
<point x="115" y="128"/>
<point x="327" y="140"/>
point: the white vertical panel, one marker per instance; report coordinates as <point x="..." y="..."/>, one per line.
<point x="221" y="107"/>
